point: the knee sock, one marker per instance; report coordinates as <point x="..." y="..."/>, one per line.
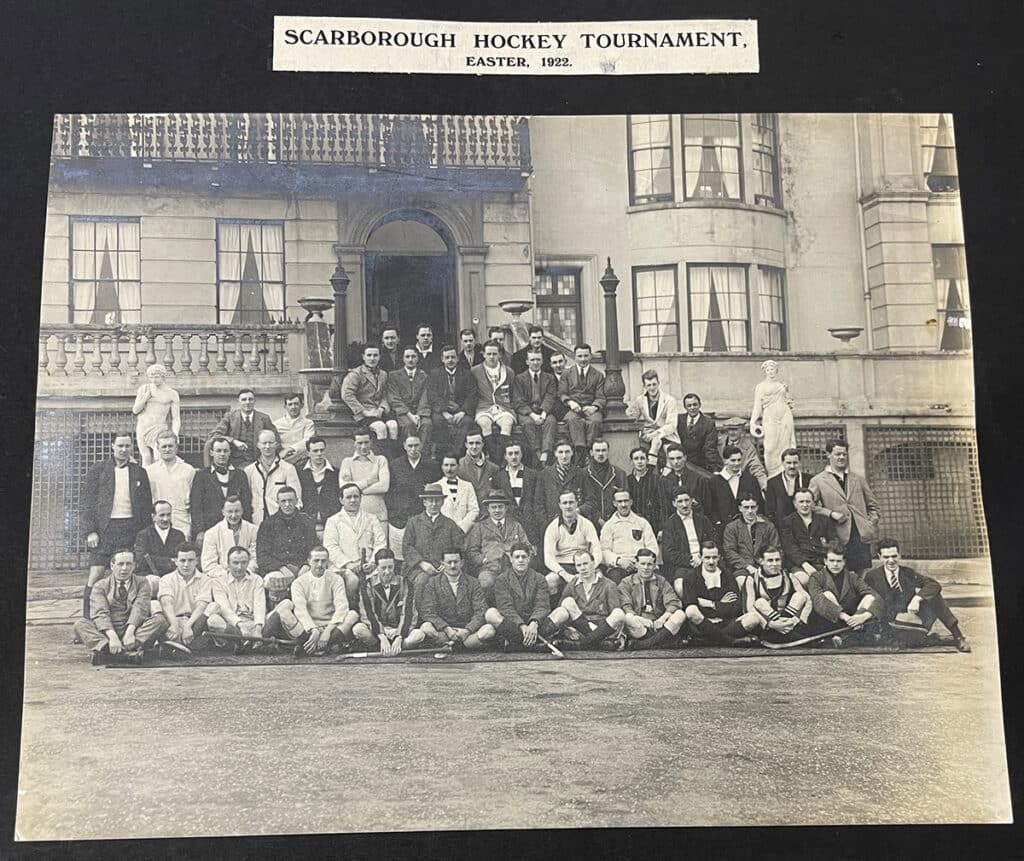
<point x="509" y="631"/>
<point x="651" y="641"/>
<point x="602" y="630"/>
<point x="85" y="601"/>
<point x="199" y="626"/>
<point x="582" y="625"/>
<point x="734" y="630"/>
<point x="547" y="629"/>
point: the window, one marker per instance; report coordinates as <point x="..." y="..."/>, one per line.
<point x="939" y="153"/>
<point x="557" y="290"/>
<point x="766" y="165"/>
<point x="250" y="271"/>
<point x="719" y="311"/>
<point x="655" y="310"/>
<point x="711" y="156"/>
<point x="650" y="158"/>
<point x="106" y="280"/>
<point x="951" y="288"/>
<point x="772" y="307"/>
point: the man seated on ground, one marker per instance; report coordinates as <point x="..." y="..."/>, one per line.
<point x="452" y="607"/>
<point x="912" y="600"/>
<point x="590" y="611"/>
<point x="352" y="537"/>
<point x="121" y="623"/>
<point x="777" y="605"/>
<point x="711" y="600"/>
<point x="475" y="467"/>
<point x="684" y="533"/>
<point x="427" y="537"/>
<point x="623" y="534"/>
<point x="567" y="534"/>
<point x="805" y="534"/>
<point x="657" y="413"/>
<point x="364" y="391"/>
<point x="654" y="614"/>
<point x="460" y="502"/>
<point x="599" y="482"/>
<point x="157" y="545"/>
<point x="490" y="541"/>
<point x="744" y="538"/>
<point x="294" y="430"/>
<point x="519" y="484"/>
<point x="552" y="481"/>
<point x="183" y="598"/>
<point x="239" y="601"/>
<point x="840" y="597"/>
<point x="387" y="609"/>
<point x="283" y="543"/>
<point x="317" y="615"/>
<point x="521" y="603"/>
<point x="230" y="532"/>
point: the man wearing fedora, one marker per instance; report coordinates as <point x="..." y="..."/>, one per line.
<point x="736" y="435"/>
<point x="427" y="537"/>
<point x="490" y="540"/>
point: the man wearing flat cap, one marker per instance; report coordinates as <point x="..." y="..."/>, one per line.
<point x="428" y="536"/>
<point x="736" y="435"/>
<point x="490" y="540"/>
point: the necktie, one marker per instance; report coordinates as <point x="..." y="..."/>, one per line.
<point x="121" y="592"/>
<point x="221" y="470"/>
<point x="451" y="384"/>
<point x="561" y="474"/>
<point x="536" y="385"/>
<point x="894" y="582"/>
<point x="691" y="423"/>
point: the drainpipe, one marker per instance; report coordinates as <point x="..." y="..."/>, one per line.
<point x="868" y="328"/>
<point x="533" y="251"/>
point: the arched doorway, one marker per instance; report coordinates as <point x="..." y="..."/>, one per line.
<point x="410" y="276"/>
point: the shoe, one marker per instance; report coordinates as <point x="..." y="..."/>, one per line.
<point x="837" y="642"/>
<point x="962" y="645"/>
<point x="242" y="648"/>
<point x="201" y="641"/>
<point x="299" y="651"/>
<point x="620" y="641"/>
<point x="456" y="646"/>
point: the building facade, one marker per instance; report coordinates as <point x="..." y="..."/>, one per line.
<point x="832" y="243"/>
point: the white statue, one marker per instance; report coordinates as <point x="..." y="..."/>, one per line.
<point x="155" y="403"/>
<point x="772" y="417"/>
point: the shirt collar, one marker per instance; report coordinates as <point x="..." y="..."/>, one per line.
<point x="327" y="465"/>
<point x="213" y="469"/>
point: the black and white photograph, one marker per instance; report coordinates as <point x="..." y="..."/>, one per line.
<point x="385" y="463"/>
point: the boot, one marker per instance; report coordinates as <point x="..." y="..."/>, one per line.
<point x="654" y="641"/>
<point x="602" y="630"/>
<point x="509" y="633"/>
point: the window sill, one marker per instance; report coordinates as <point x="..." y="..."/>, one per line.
<point x="705" y="203"/>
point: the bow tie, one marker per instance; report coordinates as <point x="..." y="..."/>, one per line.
<point x="221" y="470"/>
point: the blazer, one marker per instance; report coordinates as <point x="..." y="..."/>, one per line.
<point x="391" y="361"/>
<point x="407" y="483"/>
<point x="663" y="596"/>
<point x="377" y="611"/>
<point x="694" y="589"/>
<point x="751" y="459"/>
<point x="778" y="504"/>
<point x="408" y="396"/>
<point x="478" y="357"/>
<point x="853" y="591"/>
<point x="437" y="391"/>
<point x="230" y="426"/>
<point x="675" y="544"/>
<point x="697" y="486"/>
<point x="519" y="359"/>
<point x="723" y="506"/>
<point x="548" y="489"/>
<point x="464" y="608"/>
<point x="162" y="553"/>
<point x="857" y="502"/>
<point x="319" y="502"/>
<point x="585" y="393"/>
<point x="487" y="547"/>
<point x="700" y="443"/>
<point x="462" y="507"/>
<point x="218" y="541"/>
<point x="525" y="511"/>
<point x="100" y="611"/>
<point x="362" y="389"/>
<point x="597" y="503"/>
<point x="206" y="501"/>
<point x="479" y="477"/>
<point x="802" y="544"/>
<point x="522" y="599"/>
<point x="647" y="497"/>
<point x="911" y="583"/>
<point x="429" y="541"/>
<point x="740" y="548"/>
<point x="523" y="401"/>
<point x="665" y="420"/>
<point x="427" y="361"/>
<point x="97" y="499"/>
<point x="487" y="395"/>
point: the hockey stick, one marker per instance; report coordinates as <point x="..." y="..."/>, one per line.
<point x="558" y="653"/>
<point x="226" y="635"/>
<point x="442" y="652"/>
<point x="804" y="640"/>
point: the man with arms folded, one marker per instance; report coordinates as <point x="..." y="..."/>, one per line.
<point x="352" y="537"/>
<point x="623" y="534"/>
<point x="654" y="614"/>
<point x="452" y="608"/>
<point x="387" y="609"/>
<point x="567" y="534"/>
<point x="711" y="600"/>
<point x="230" y="532"/>
<point x="521" y="603"/>
<point x="590" y="611"/>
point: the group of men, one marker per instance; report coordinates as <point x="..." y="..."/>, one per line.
<point x="695" y="542"/>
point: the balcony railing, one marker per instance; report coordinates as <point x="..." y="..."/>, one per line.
<point x="406" y="141"/>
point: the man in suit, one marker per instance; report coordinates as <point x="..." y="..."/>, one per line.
<point x="553" y="481"/>
<point x="450" y="395"/>
<point x="460" y="502"/>
<point x="582" y="391"/>
<point x="452" y="606"/>
<point x="471" y="353"/>
<point x="491" y="539"/>
<point x="778" y="494"/>
<point x="846" y="498"/>
<point x="390" y="353"/>
<point x="804" y="536"/>
<point x="657" y="414"/>
<point x="494" y="414"/>
<point x="157" y="544"/>
<point x="840" y="596"/>
<point x="744" y="538"/>
<point x="519" y="484"/>
<point x="410" y="473"/>
<point x="115" y="506"/>
<point x="558" y="369"/>
<point x="728" y="486"/>
<point x="698" y="435"/>
<point x="425" y="352"/>
<point x="241" y="428"/>
<point x="736" y="435"/>
<point x="214" y="484"/>
<point x="682" y="536"/>
<point x="520" y="358"/>
<point x="475" y="467"/>
<point x="682" y="476"/>
<point x="364" y="392"/>
<point x="534" y="393"/>
<point x="427" y="537"/>
<point x="911" y="599"/>
<point x="407" y="395"/>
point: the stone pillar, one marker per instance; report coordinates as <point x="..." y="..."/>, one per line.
<point x="351" y="259"/>
<point x="615" y="389"/>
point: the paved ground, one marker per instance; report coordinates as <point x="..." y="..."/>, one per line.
<point x="270" y="750"/>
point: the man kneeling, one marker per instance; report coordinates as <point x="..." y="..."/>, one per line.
<point x="779" y="606"/>
<point x="317" y="616"/>
<point x="521" y="603"/>
<point x="239" y="601"/>
<point x="453" y="608"/>
<point x="654" y="614"/>
<point x="387" y="609"/>
<point x="590" y="611"/>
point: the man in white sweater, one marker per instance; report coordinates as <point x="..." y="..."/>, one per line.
<point x="566" y="534"/>
<point x="352" y="537"/>
<point x="230" y="532"/>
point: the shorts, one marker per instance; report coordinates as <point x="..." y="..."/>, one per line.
<point x="119" y="533"/>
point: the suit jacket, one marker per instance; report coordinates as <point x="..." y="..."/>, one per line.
<point x="480" y="478"/>
<point x="464" y="608"/>
<point x="663" y="596"/>
<point x="802" y="544"/>
<point x="548" y="489"/>
<point x="590" y="392"/>
<point x="740" y="549"/>
<point x="106" y="617"/>
<point x="778" y="504"/>
<point x="462" y="507"/>
<point x="857" y="502"/>
<point x="853" y="591"/>
<point x="488" y="548"/>
<point x="438" y="396"/>
<point x="525" y="511"/>
<point x="98" y="497"/>
<point x="700" y="443"/>
<point x="429" y="541"/>
<point x="519" y="359"/>
<point x="362" y="389"/>
<point x="487" y="395"/>
<point x="523" y="401"/>
<point x="522" y="600"/>
<point x="407" y="484"/>
<point x="911" y="583"/>
<point x="230" y="426"/>
<point x="478" y="357"/>
<point x="665" y="420"/>
<point x="206" y="501"/>
<point x="408" y="396"/>
<point x="697" y="486"/>
<point x="724" y="505"/>
<point x="428" y="361"/>
<point x="162" y="553"/>
<point x="675" y="544"/>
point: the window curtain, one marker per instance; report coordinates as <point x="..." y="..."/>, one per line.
<point x="272" y="268"/>
<point x="128" y="277"/>
<point x="929" y="134"/>
<point x="83" y="271"/>
<point x="700" y="294"/>
<point x="692" y="156"/>
<point x="230" y="271"/>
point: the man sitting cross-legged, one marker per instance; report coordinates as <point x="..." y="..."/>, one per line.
<point x="521" y="603"/>
<point x="452" y="607"/>
<point x="387" y="609"/>
<point x="711" y="599"/>
<point x="183" y="598"/>
<point x="590" y="611"/>
<point x="239" y="604"/>
<point x="654" y="614"/>
<point x="777" y="605"/>
<point x="317" y="615"/>
<point x="840" y="596"/>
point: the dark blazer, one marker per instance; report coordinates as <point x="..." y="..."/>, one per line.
<point x="402" y="498"/>
<point x="323" y="502"/>
<point x="647" y="497"/>
<point x="408" y="396"/>
<point x="854" y="589"/>
<point x="522" y="600"/>
<point x="695" y="588"/>
<point x="437" y="391"/>
<point x="802" y="544"/>
<point x="701" y="443"/>
<point x="206" y="499"/>
<point x="588" y="393"/>
<point x="548" y="490"/>
<point x="478" y="357"/>
<point x="162" y="553"/>
<point x="519" y="359"/>
<point x="463" y="609"/>
<point x="481" y="482"/>
<point x="675" y="545"/>
<point x="389" y="362"/>
<point x="911" y="583"/>
<point x="694" y="482"/>
<point x="598" y="501"/>
<point x="722" y="502"/>
<point x="426" y="540"/>
<point x="427" y="362"/>
<point x="778" y="504"/>
<point x="377" y="611"/>
<point x="525" y="511"/>
<point x="523" y="401"/>
<point x="98" y="497"/>
<point x="230" y="426"/>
